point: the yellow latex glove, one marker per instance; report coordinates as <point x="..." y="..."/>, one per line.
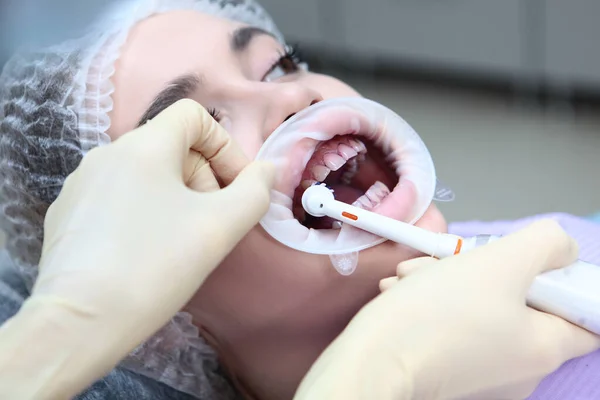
<point x="457" y="328"/>
<point x="128" y="242"/>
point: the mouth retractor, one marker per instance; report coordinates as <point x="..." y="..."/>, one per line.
<point x="294" y="146"/>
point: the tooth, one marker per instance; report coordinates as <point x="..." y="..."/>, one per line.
<point x="358" y="145"/>
<point x="348" y="176"/>
<point x="358" y="204"/>
<point x="354" y="144"/>
<point x="352" y="166"/>
<point x="363" y="202"/>
<point x="360" y="158"/>
<point x="381" y="189"/>
<point x="377" y="192"/>
<point x="334" y="161"/>
<point x="320" y="172"/>
<point x="305" y="184"/>
<point x="346" y="151"/>
<point x="373" y="197"/>
<point x="336" y="225"/>
<point x="350" y="172"/>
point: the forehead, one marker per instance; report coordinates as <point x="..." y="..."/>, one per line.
<point x="178" y="38"/>
<point x="161" y="48"/>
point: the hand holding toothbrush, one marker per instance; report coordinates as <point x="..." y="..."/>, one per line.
<point x="458" y="327"/>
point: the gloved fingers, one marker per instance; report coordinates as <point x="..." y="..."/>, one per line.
<point x="246" y="200"/>
<point x="199" y="175"/>
<point x="387" y="283"/>
<point x="187" y="125"/>
<point x="547" y="246"/>
<point x="560" y="339"/>
<point x="408" y="267"/>
<point x="540" y="247"/>
<point x="404" y="269"/>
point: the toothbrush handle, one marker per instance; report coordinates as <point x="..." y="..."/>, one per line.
<point x="572" y="292"/>
<point x="435" y="244"/>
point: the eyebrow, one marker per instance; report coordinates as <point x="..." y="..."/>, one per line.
<point x="184" y="86"/>
<point x="243" y="36"/>
<point x="180" y="88"/>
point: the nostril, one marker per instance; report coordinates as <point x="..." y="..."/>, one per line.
<point x="312" y="103"/>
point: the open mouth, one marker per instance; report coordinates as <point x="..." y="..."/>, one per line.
<point x="367" y="154"/>
<point x="355" y="168"/>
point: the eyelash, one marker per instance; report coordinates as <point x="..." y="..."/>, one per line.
<point x="216" y="114"/>
<point x="291" y="54"/>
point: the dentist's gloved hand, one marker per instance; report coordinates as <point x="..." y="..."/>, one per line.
<point x="136" y="230"/>
<point x="457" y="328"/>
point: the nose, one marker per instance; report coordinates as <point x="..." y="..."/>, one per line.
<point x="285" y="100"/>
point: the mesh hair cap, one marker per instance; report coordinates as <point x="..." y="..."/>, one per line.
<point x="54" y="106"/>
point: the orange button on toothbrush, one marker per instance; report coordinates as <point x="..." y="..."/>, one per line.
<point x="349" y="216"/>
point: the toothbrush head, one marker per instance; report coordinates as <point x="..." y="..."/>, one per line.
<point x="315" y="198"/>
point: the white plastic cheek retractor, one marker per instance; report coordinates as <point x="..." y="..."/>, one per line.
<point x="296" y="148"/>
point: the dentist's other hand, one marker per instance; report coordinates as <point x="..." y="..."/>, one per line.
<point x="136" y="230"/>
<point x="457" y="328"/>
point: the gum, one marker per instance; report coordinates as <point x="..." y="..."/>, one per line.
<point x="400" y="202"/>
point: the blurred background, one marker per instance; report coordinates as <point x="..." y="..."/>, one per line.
<point x="505" y="93"/>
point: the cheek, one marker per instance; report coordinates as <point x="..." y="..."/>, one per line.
<point x="249" y="144"/>
<point x="246" y="134"/>
<point x="433" y="220"/>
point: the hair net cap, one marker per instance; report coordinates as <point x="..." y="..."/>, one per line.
<point x="54" y="107"/>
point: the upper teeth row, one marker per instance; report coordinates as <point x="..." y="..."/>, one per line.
<point x="353" y="155"/>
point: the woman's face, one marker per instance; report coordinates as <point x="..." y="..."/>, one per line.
<point x="269" y="310"/>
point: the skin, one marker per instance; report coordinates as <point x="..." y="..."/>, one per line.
<point x="268" y="310"/>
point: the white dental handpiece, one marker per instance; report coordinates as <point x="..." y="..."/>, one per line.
<point x="571" y="293"/>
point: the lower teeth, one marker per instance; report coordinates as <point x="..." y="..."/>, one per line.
<point x="373" y="197"/>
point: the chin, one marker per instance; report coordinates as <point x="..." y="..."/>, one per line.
<point x="269" y="310"/>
